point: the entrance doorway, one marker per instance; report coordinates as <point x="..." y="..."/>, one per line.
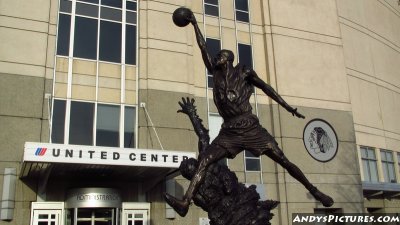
<point x="92" y="216"/>
<point x="135" y="217"/>
<point x="96" y="216"/>
<point x="46" y="217"/>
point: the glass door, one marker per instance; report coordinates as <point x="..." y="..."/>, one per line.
<point x="94" y="216"/>
<point x="46" y="217"/>
<point x="135" y="217"/>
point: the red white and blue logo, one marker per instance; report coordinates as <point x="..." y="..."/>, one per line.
<point x="40" y="151"/>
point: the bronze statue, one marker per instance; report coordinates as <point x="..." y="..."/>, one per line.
<point x="220" y="194"/>
<point x="233" y="86"/>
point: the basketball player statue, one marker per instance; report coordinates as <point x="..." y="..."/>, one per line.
<point x="241" y="130"/>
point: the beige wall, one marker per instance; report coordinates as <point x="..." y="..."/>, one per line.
<point x="371" y="43"/>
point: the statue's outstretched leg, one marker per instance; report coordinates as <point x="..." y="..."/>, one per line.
<point x="276" y="154"/>
<point x="212" y="155"/>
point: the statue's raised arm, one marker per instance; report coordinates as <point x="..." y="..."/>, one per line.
<point x="202" y="44"/>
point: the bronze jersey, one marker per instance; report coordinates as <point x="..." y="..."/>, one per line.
<point x="232" y="93"/>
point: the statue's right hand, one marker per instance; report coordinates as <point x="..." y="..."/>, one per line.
<point x="192" y="18"/>
<point x="187" y="106"/>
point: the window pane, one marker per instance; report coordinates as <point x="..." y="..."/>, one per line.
<point x="213" y="47"/>
<point x="214" y="2"/>
<point x="65" y="6"/>
<point x="249" y="154"/>
<point x="363" y="153"/>
<point x="389" y="156"/>
<point x="245" y="56"/>
<point x="111" y="14"/>
<point x="210" y="81"/>
<point x="87" y="9"/>
<point x="130" y="45"/>
<point x="131" y="17"/>
<point x="383" y="156"/>
<point x="107" y="131"/>
<point x="211" y="10"/>
<point x="58" y="122"/>
<point x="139" y="215"/>
<point x="373" y="171"/>
<point x="371" y="153"/>
<point x="43" y="216"/>
<point x="90" y="1"/>
<point x="64" y="27"/>
<point x="81" y="123"/>
<point x="130" y="124"/>
<point x="385" y="172"/>
<point x="392" y="177"/>
<point x="242" y="5"/>
<point x="131" y="5"/>
<point x="367" y="176"/>
<point x="242" y="16"/>
<point x="113" y="3"/>
<point x="85" y="38"/>
<point x="110" y="41"/>
<point x="252" y="164"/>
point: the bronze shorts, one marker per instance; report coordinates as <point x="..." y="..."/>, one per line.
<point x="244" y="133"/>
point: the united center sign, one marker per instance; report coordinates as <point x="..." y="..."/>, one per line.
<point x="57" y="153"/>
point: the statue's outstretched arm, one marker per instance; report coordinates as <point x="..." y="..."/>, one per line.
<point x="202" y="44"/>
<point x="189" y="109"/>
<point x="268" y="90"/>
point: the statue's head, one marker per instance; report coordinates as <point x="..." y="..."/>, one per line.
<point x="223" y="57"/>
<point x="188" y="168"/>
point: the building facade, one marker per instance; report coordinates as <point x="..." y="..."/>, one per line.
<point x="89" y="91"/>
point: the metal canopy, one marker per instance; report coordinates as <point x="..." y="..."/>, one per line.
<point x="381" y="190"/>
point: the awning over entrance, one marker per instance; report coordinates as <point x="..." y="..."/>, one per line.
<point x="381" y="190"/>
<point x="74" y="161"/>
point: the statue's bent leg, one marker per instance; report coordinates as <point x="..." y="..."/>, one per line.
<point x="276" y="154"/>
<point x="212" y="155"/>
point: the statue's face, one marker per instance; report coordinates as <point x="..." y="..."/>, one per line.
<point x="221" y="58"/>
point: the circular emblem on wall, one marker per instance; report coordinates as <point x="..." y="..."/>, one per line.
<point x="320" y="140"/>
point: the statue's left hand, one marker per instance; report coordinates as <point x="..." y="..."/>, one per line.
<point x="295" y="113"/>
<point x="187" y="106"/>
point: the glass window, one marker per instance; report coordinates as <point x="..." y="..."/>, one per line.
<point x="81" y="123"/>
<point x="110" y="41"/>
<point x="252" y="162"/>
<point x="242" y="5"/>
<point x="64" y="27"/>
<point x="213" y="47"/>
<point x="111" y="14"/>
<point x="131" y="17"/>
<point x="129" y="123"/>
<point x="65" y="6"/>
<point x="211" y="7"/>
<point x="87" y="30"/>
<point x="369" y="164"/>
<point x="245" y="56"/>
<point x="388" y="166"/>
<point x="85" y="38"/>
<point x="58" y="121"/>
<point x="91" y="1"/>
<point x="130" y="45"/>
<point x="113" y="3"/>
<point x="87" y="9"/>
<point x="107" y="130"/>
<point x="131" y="5"/>
<point x="242" y="10"/>
<point x="242" y="16"/>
